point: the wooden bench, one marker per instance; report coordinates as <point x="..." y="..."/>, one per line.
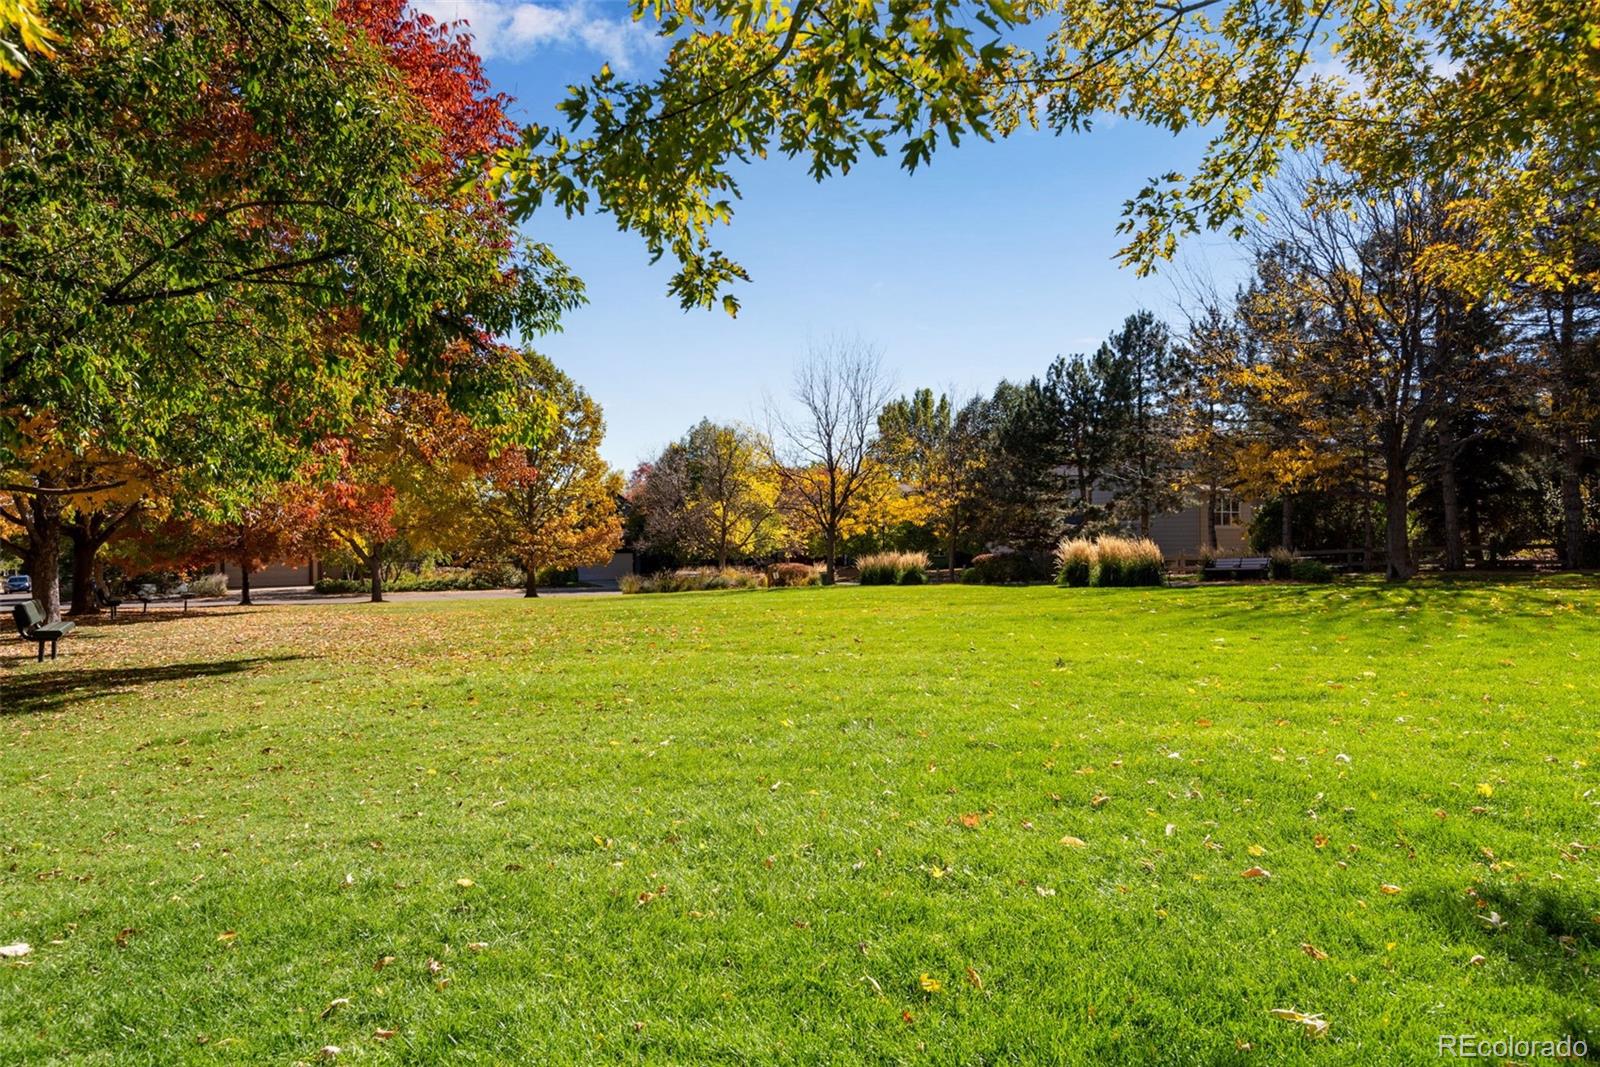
<point x="32" y="627"/>
<point x="1236" y="567"/>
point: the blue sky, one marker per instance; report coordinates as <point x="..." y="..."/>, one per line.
<point x="985" y="265"/>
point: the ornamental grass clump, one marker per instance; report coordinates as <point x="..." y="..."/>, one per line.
<point x="1128" y="561"/>
<point x="1075" y="558"/>
<point x="893" y="568"/>
<point x="694" y="579"/>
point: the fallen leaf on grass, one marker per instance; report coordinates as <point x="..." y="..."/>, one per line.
<point x="227" y="936"/>
<point x="974" y="979"/>
<point x="1255" y="872"/>
<point x="21" y="948"/>
<point x="930" y="984"/>
<point x="1477" y="961"/>
<point x="1315" y="1025"/>
<point x="383" y="961"/>
<point x="876" y="988"/>
<point x="1313" y="951"/>
<point x="334" y="1005"/>
<point x="465" y="883"/>
<point x="1388" y="890"/>
<point x="1256" y="850"/>
<point x="1097" y="800"/>
<point x="1074" y="842"/>
<point x="329" y="1052"/>
<point x="383" y="1035"/>
<point x="477" y="946"/>
<point x="123" y="935"/>
<point x="1319" y="840"/>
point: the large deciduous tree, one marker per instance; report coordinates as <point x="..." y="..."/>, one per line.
<point x="407" y="474"/>
<point x="552" y="505"/>
<point x="712" y="495"/>
<point x="276" y="236"/>
<point x="823" y="447"/>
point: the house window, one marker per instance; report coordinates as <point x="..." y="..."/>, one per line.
<point x="1226" y="511"/>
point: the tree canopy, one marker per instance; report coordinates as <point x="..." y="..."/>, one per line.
<point x="1481" y="89"/>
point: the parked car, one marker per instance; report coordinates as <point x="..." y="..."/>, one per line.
<point x="19" y="583"/>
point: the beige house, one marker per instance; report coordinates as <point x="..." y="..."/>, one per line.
<point x="1182" y="533"/>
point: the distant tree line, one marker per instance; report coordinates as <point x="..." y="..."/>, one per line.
<point x="1347" y="388"/>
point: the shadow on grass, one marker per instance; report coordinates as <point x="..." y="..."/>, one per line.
<point x="1499" y="600"/>
<point x="51" y="690"/>
<point x="1546" y="932"/>
<point x="141" y="618"/>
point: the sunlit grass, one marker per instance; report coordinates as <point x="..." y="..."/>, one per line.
<point x="746" y="825"/>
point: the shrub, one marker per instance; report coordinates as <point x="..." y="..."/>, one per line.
<point x="692" y="579"/>
<point x="999" y="567"/>
<point x="1280" y="562"/>
<point x="1075" y="558"/>
<point x="209" y="585"/>
<point x="782" y="575"/>
<point x="1206" y="557"/>
<point x="1310" y="570"/>
<point x="436" y="580"/>
<point x="893" y="568"/>
<point x="1124" y="561"/>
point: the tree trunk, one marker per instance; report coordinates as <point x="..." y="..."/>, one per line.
<point x="1455" y="556"/>
<point x="375" y="572"/>
<point x="1570" y="451"/>
<point x="827" y="571"/>
<point x="530" y="582"/>
<point x="950" y="549"/>
<point x="84" y="549"/>
<point x="1369" y="535"/>
<point x="244" y="583"/>
<point x="1286" y="535"/>
<point x="1571" y="500"/>
<point x="1396" y="500"/>
<point x="1475" y="527"/>
<point x="1208" y="522"/>
<point x="43" y="556"/>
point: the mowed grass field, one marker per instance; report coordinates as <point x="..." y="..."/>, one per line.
<point x="920" y="825"/>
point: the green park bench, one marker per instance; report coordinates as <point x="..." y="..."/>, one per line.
<point x="32" y="627"/>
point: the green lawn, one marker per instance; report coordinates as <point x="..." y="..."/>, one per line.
<point x="809" y="825"/>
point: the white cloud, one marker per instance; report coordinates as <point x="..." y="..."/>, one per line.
<point x="510" y="28"/>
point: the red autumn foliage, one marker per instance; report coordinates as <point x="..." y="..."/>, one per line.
<point x="441" y="71"/>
